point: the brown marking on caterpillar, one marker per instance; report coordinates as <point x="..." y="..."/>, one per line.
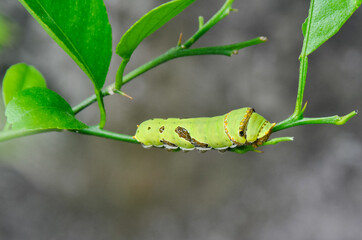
<point x="244" y="122"/>
<point x="199" y="144"/>
<point x="183" y="133"/>
<point x="162" y="129"/>
<point x="168" y="143"/>
<point x="149" y="128"/>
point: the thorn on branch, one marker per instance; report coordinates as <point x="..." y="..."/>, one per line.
<point x="179" y="40"/>
<point x="121" y="93"/>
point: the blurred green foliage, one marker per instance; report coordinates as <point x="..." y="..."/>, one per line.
<point x="5" y="33"/>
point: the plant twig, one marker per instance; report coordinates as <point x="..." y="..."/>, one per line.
<point x="171" y="54"/>
<point x="176" y="52"/>
<point x="247" y="148"/>
<point x="336" y="120"/>
<point x="203" y="28"/>
<point x="95" y="131"/>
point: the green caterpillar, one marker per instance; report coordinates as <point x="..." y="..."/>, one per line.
<point x="236" y="128"/>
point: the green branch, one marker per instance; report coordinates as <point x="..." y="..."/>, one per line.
<point x="247" y="148"/>
<point x="176" y="52"/>
<point x="203" y="28"/>
<point x="95" y="131"/>
<point x="336" y="120"/>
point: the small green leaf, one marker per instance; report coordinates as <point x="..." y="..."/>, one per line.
<point x="18" y="77"/>
<point x="148" y="24"/>
<point x="81" y="28"/>
<point x="325" y="19"/>
<point x="41" y="108"/>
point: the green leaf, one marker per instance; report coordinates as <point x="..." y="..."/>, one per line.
<point x="41" y="108"/>
<point x="81" y="28"/>
<point x="18" y="77"/>
<point x="325" y="18"/>
<point x="148" y="24"/>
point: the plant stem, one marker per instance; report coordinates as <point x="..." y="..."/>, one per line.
<point x="176" y="52"/>
<point x="336" y="120"/>
<point x="102" y="110"/>
<point x="119" y="77"/>
<point x="303" y="67"/>
<point x="301" y="86"/>
<point x="107" y="134"/>
<point x="171" y="54"/>
<point x="247" y="148"/>
<point x="222" y="13"/>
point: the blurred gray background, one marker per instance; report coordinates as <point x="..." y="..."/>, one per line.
<point x="69" y="186"/>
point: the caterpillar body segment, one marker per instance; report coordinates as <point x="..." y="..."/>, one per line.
<point x="237" y="128"/>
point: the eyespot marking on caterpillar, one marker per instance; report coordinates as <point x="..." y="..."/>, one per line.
<point x="162" y="129"/>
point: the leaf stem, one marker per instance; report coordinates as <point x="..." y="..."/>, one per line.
<point x="119" y="76"/>
<point x="99" y="97"/>
<point x="303" y="59"/>
<point x="298" y="113"/>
